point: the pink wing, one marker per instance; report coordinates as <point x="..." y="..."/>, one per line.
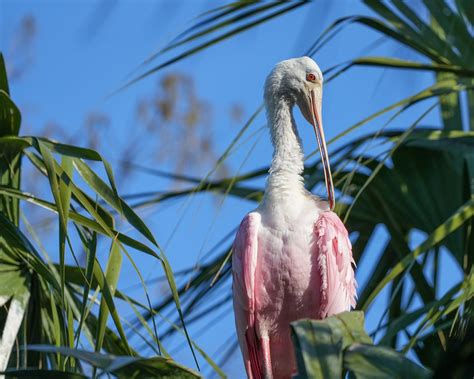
<point x="338" y="284"/>
<point x="244" y="263"/>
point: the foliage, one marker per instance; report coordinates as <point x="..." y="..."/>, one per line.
<point x="52" y="305"/>
<point x="325" y="349"/>
<point x="126" y="366"/>
<point x="419" y="179"/>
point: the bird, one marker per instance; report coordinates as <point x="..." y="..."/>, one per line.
<point x="292" y="256"/>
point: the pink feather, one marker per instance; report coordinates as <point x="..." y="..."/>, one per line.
<point x="333" y="292"/>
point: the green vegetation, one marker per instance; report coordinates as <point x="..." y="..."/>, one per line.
<point x="422" y="180"/>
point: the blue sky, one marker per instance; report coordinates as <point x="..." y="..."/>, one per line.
<point x="83" y="51"/>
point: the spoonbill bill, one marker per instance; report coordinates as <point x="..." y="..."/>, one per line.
<point x="292" y="257"/>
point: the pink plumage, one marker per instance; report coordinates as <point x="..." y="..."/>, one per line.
<point x="334" y="251"/>
<point x="292" y="256"/>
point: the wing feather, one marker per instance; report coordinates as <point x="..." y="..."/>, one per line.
<point x="338" y="284"/>
<point x="244" y="264"/>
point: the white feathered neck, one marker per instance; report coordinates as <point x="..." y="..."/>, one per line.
<point x="287" y="165"/>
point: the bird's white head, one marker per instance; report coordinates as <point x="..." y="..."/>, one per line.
<point x="294" y="80"/>
<point x="300" y="81"/>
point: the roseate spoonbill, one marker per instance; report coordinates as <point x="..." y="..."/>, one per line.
<point x="292" y="256"/>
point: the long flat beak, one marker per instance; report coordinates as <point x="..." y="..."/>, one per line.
<point x="318" y="129"/>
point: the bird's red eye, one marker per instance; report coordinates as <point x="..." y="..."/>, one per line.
<point x="311" y="77"/>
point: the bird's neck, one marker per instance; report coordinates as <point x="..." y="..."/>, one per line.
<point x="287" y="164"/>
